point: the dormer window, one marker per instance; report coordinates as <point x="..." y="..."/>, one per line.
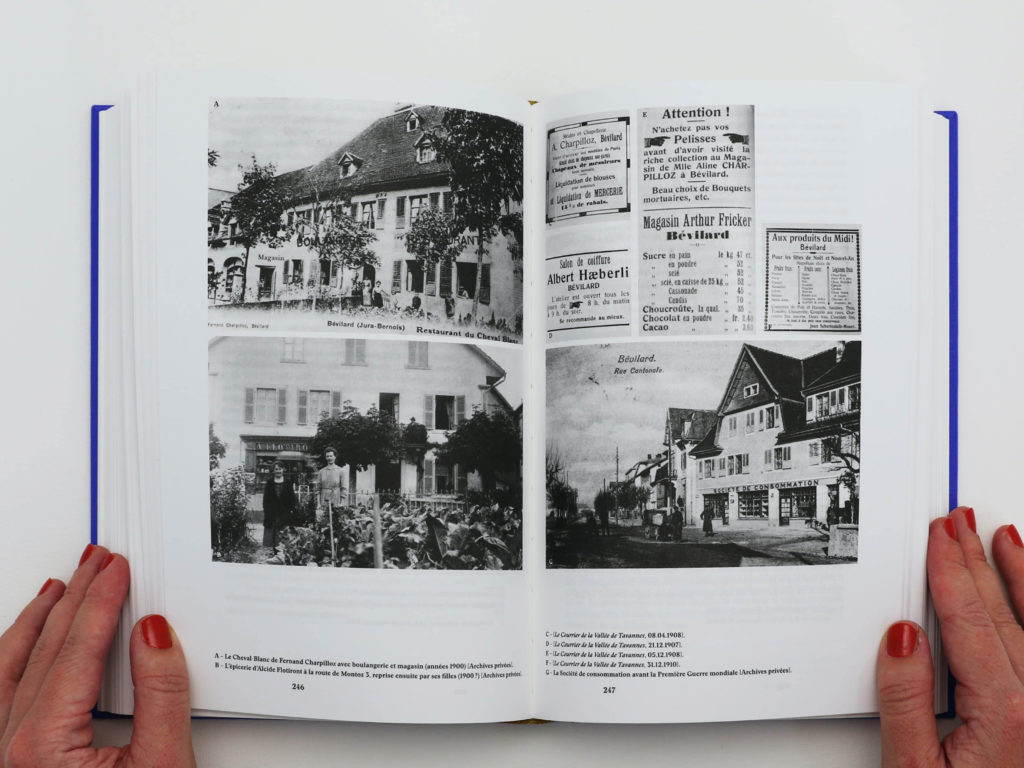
<point x="412" y="123"/>
<point x="348" y="165"/>
<point x="425" y="151"/>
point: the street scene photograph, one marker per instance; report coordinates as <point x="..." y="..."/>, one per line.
<point x="364" y="215"/>
<point x="703" y="454"/>
<point x="365" y="453"/>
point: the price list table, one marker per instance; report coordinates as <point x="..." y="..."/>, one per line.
<point x="697" y="219"/>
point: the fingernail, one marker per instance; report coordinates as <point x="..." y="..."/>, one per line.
<point x="85" y="555"/>
<point x="901" y="640"/>
<point x="46" y="586"/>
<point x="950" y="528"/>
<point x="969" y="517"/>
<point x="1014" y="534"/>
<point x="156" y="632"/>
<point x="108" y="561"/>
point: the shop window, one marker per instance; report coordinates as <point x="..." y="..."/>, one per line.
<point x="797" y="502"/>
<point x="753" y="504"/>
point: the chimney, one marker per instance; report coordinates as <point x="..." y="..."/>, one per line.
<point x="840" y="349"/>
<point x="648" y="457"/>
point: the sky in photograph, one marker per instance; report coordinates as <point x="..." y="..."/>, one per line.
<point x="291" y="133"/>
<point x="591" y="410"/>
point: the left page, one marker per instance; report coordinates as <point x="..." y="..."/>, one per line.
<point x="342" y="395"/>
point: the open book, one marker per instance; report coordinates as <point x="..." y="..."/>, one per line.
<point x="631" y="406"/>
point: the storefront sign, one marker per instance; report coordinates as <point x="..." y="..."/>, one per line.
<point x="297" y="445"/>
<point x="762" y="486"/>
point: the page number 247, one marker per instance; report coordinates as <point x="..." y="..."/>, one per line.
<point x="608" y="689"/>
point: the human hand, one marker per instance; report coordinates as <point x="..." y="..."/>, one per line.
<point x="51" y="664"/>
<point x="985" y="646"/>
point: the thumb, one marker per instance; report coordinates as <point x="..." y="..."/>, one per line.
<point x="906" y="698"/>
<point x="162" y="733"/>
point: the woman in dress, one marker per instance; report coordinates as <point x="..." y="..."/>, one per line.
<point x="278" y="505"/>
<point x="707" y="516"/>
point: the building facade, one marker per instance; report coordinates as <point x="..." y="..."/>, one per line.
<point x="267" y="396"/>
<point x="383" y="178"/>
<point x="785" y="444"/>
<point x="684" y="428"/>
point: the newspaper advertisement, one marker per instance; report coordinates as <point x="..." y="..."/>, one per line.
<point x="696" y="190"/>
<point x="588" y="168"/>
<point x="812" y="280"/>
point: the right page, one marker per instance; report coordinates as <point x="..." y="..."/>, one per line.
<point x="736" y="500"/>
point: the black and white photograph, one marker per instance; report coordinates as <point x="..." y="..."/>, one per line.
<point x="703" y="454"/>
<point x="365" y="453"/>
<point x="364" y="215"/>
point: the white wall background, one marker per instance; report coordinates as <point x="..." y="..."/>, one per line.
<point x="60" y="57"/>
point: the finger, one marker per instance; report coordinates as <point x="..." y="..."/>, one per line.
<point x="51" y="639"/>
<point x="62" y="712"/>
<point x="17" y="642"/>
<point x="986" y="581"/>
<point x="905" y="698"/>
<point x="1008" y="550"/>
<point x="976" y="654"/>
<point x="163" y="724"/>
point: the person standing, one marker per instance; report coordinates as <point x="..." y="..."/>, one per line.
<point x="279" y="503"/>
<point x="707" y="515"/>
<point x="605" y="530"/>
<point x="676" y="521"/>
<point x="377" y="297"/>
<point x="329" y="479"/>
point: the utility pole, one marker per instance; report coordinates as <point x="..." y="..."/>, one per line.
<point x="616" y="485"/>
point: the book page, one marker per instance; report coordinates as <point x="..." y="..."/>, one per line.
<point x="731" y="304"/>
<point x="342" y="398"/>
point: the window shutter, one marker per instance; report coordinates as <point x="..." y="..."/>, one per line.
<point x="446" y="201"/>
<point x="335" y="403"/>
<point x="400" y="212"/>
<point x="428" y="410"/>
<point x="303" y="405"/>
<point x="485" y="283"/>
<point x="460" y="409"/>
<point x="396" y="273"/>
<point x="380" y="212"/>
<point x="250" y="402"/>
<point x="446" y="278"/>
<point x="435" y="199"/>
<point x="282" y="406"/>
<point x="431" y="276"/>
<point x="461" y="480"/>
<point x="428" y="477"/>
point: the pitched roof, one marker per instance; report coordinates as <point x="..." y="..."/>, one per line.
<point x="784" y="373"/>
<point x="215" y="197"/>
<point x="700" y="422"/>
<point x="386" y="152"/>
<point x="707" y="446"/>
<point x="847" y="368"/>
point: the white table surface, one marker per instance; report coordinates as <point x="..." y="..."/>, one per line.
<point x="60" y="57"/>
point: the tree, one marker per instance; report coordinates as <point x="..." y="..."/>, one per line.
<point x="258" y="208"/>
<point x="414" y="436"/>
<point x="604" y="501"/>
<point x="217" y="449"/>
<point x="487" y="443"/>
<point x="562" y="498"/>
<point x="485" y="157"/>
<point x="359" y="440"/>
<point x="433" y="238"/>
<point x="335" y="237"/>
<point x="554" y="465"/>
<point x="832" y="448"/>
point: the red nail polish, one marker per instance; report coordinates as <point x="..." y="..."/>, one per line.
<point x="85" y="555"/>
<point x="950" y="528"/>
<point x="46" y="586"/>
<point x="969" y="517"/>
<point x="901" y="640"/>
<point x="108" y="561"/>
<point x="1014" y="534"/>
<point x="156" y="632"/>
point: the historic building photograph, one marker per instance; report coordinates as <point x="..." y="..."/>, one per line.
<point x="704" y="454"/>
<point x="318" y="445"/>
<point x="364" y="215"/>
